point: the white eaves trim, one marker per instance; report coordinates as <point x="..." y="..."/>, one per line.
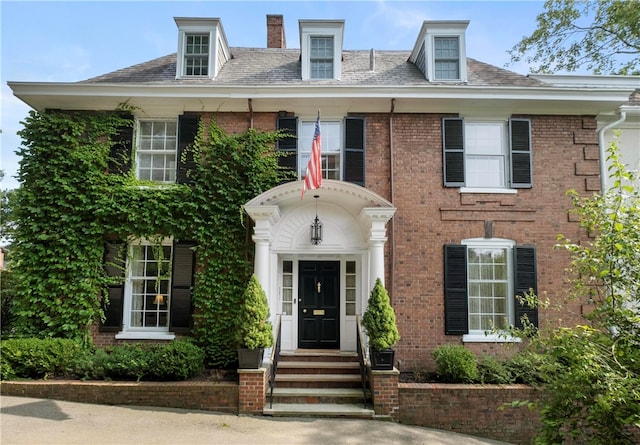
<point x="588" y="81"/>
<point x="412" y="99"/>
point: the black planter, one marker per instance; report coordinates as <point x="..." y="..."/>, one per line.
<point x="382" y="360"/>
<point x="250" y="358"/>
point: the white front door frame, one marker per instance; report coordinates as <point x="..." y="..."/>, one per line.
<point x="354" y="221"/>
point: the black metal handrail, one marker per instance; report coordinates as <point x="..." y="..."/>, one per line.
<point x="275" y="354"/>
<point x="361" y="356"/>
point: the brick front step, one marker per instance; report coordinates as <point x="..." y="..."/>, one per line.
<point x="319" y="396"/>
<point x="318" y="410"/>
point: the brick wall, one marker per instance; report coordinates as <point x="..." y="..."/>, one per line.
<point x="471" y="409"/>
<point x="384" y="392"/>
<point x="252" y="390"/>
<point x="210" y="396"/>
<point x="428" y="216"/>
<point x="565" y="156"/>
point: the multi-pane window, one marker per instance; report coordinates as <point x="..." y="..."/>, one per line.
<point x="321" y="57"/>
<point x="150" y="283"/>
<point x="350" y="288"/>
<point x="196" y="55"/>
<point x="156" y="151"/>
<point x="446" y="58"/>
<point x="331" y="136"/>
<point x="488" y="288"/>
<point x="287" y="287"/>
<point x="485" y="154"/>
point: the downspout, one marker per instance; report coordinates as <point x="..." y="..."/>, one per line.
<point x="602" y="150"/>
<point x="250" y="103"/>
<point x="391" y="186"/>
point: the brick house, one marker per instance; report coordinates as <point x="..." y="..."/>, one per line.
<point x="444" y="176"/>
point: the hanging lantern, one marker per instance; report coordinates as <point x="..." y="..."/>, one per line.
<point x="316" y="227"/>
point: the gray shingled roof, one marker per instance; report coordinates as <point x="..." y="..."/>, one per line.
<point x="281" y="67"/>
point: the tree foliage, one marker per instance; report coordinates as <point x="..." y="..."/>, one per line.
<point x="254" y="329"/>
<point x="592" y="371"/>
<point x="601" y="36"/>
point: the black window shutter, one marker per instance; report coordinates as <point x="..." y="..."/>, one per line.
<point x="181" y="286"/>
<point x="114" y="264"/>
<point x="354" y="150"/>
<point x="521" y="159"/>
<point x="525" y="279"/>
<point x="121" y="149"/>
<point x="289" y="144"/>
<point x="456" y="319"/>
<point x="188" y="124"/>
<point x="453" y="152"/>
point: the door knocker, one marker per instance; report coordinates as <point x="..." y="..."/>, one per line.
<point x="319" y="286"/>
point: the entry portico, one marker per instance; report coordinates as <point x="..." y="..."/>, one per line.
<point x="319" y="289"/>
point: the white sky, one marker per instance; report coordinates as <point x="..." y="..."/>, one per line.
<point x="51" y="41"/>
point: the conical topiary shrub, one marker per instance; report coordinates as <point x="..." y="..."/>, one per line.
<point x="254" y="330"/>
<point x="379" y="320"/>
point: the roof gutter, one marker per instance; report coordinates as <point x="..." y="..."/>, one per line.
<point x="602" y="154"/>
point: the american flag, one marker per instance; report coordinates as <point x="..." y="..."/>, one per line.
<point x="313" y="179"/>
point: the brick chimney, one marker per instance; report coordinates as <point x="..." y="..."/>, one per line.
<point x="275" y="32"/>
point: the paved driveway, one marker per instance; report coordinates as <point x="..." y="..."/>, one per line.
<point x="47" y="422"/>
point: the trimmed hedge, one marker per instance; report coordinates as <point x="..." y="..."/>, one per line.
<point x="55" y="358"/>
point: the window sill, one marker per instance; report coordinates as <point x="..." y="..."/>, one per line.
<point x="489" y="338"/>
<point x="488" y="190"/>
<point x="145" y="335"/>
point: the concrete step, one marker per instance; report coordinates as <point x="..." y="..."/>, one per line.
<point x="318" y="380"/>
<point x="319" y="395"/>
<point x="295" y="367"/>
<point x="314" y="355"/>
<point x="318" y="410"/>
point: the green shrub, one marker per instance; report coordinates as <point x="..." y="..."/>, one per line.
<point x="254" y="329"/>
<point x="526" y="367"/>
<point x="178" y="360"/>
<point x="455" y="364"/>
<point x="126" y="362"/>
<point x="88" y="365"/>
<point x="494" y="371"/>
<point x="39" y="358"/>
<point x="379" y="320"/>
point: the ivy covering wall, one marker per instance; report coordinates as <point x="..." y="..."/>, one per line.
<point x="69" y="203"/>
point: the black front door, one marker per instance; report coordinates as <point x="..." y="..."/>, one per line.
<point x="319" y="305"/>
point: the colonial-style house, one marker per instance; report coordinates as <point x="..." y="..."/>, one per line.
<point x="442" y="175"/>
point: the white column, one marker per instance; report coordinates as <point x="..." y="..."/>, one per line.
<point x="264" y="217"/>
<point x="377" y="218"/>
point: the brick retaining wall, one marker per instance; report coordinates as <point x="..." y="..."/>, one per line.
<point x="467" y="409"/>
<point x="210" y="396"/>
<point x="471" y="409"/>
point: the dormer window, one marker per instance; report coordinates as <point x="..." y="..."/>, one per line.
<point x="202" y="48"/>
<point x="440" y="52"/>
<point x="446" y="58"/>
<point x="196" y="55"/>
<point x="321" y="57"/>
<point x="321" y="49"/>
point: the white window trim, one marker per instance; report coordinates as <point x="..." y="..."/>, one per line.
<point x="305" y="147"/>
<point x="137" y="333"/>
<point x="478" y="336"/>
<point x="321" y="28"/>
<point x="505" y="152"/>
<point x="137" y="150"/>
